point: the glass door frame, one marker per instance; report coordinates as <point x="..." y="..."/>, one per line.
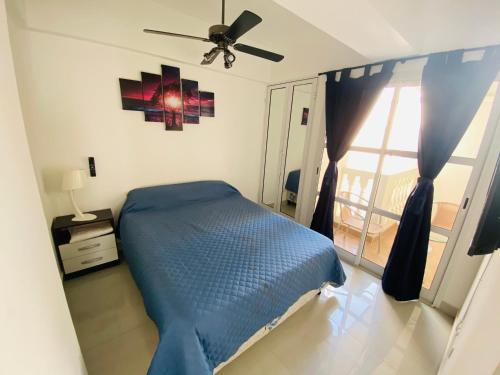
<point x="475" y="163"/>
<point x="305" y="178"/>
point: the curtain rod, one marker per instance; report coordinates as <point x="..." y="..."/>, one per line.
<point x="413" y="57"/>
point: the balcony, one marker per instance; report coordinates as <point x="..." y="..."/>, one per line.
<point x="395" y="184"/>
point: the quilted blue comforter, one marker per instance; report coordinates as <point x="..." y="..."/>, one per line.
<point x="292" y="181"/>
<point x="213" y="268"/>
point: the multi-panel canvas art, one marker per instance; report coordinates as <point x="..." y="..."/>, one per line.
<point x="190" y="101"/>
<point x="131" y="95"/>
<point x="207" y="104"/>
<point x="166" y="98"/>
<point x="172" y="99"/>
<point x="153" y="97"/>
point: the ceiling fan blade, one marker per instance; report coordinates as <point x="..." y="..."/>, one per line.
<point x="258" y="52"/>
<point x="211" y="56"/>
<point x="176" y="35"/>
<point x="246" y="21"/>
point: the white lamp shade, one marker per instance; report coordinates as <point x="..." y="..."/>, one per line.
<point x="73" y="180"/>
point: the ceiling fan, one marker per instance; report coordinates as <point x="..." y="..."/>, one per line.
<point x="226" y="36"/>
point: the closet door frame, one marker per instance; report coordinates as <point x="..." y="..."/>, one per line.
<point x="285" y="128"/>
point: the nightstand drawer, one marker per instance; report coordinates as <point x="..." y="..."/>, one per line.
<point x="91" y="245"/>
<point x="90" y="260"/>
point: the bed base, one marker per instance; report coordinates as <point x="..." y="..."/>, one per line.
<point x="270" y="326"/>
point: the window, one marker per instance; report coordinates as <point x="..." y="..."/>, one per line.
<point x="381" y="169"/>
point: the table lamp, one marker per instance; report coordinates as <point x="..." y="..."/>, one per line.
<point x="74" y="180"/>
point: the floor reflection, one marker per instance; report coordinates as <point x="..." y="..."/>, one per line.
<point x="355" y="330"/>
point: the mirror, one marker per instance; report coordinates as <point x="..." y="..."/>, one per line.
<point x="299" y="119"/>
<point x="270" y="183"/>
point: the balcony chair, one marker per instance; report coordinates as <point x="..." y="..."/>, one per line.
<point x="351" y="219"/>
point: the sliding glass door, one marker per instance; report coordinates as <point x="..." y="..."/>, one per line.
<point x="380" y="170"/>
<point x="287" y="127"/>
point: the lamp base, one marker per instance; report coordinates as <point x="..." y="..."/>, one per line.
<point x="84" y="217"/>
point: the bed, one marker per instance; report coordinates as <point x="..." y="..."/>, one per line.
<point x="292" y="186"/>
<point x="214" y="268"/>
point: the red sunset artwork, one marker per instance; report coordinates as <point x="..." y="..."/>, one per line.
<point x="207" y="104"/>
<point x="190" y="101"/>
<point x="171" y="81"/>
<point x="153" y="97"/>
<point x="166" y="98"/>
<point x="131" y="95"/>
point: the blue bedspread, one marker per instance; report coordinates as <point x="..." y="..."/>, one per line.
<point x="292" y="181"/>
<point x="214" y="267"/>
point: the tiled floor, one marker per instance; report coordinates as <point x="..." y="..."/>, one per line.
<point x="355" y="329"/>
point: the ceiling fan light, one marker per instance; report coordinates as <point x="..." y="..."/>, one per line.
<point x="229" y="59"/>
<point x="211" y="54"/>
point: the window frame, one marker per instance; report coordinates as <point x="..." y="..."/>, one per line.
<point x="382" y="152"/>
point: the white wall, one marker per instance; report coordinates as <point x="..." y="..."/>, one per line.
<point x="473" y="346"/>
<point x="37" y="335"/>
<point x="119" y="23"/>
<point x="69" y="56"/>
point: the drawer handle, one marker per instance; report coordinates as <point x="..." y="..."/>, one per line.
<point x="89" y="247"/>
<point x="92" y="260"/>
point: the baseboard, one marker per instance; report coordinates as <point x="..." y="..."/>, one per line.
<point x="448" y="309"/>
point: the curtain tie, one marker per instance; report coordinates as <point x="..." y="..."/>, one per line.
<point x="330" y="173"/>
<point x="425" y="180"/>
<point x="420" y="193"/>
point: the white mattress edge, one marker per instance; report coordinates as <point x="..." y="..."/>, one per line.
<point x="269" y="327"/>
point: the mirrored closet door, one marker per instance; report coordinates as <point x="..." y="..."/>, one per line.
<point x="276" y="103"/>
<point x="288" y="122"/>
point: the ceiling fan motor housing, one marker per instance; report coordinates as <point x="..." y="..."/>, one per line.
<point x="216" y="33"/>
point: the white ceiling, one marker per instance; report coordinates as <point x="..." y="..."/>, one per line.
<point x="314" y="36"/>
<point x="321" y="35"/>
<point x="379" y="29"/>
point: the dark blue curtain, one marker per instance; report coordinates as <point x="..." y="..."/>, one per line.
<point x="348" y="101"/>
<point x="452" y="91"/>
<point x="487" y="237"/>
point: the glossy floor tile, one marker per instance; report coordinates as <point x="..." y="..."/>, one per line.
<point x="355" y="329"/>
